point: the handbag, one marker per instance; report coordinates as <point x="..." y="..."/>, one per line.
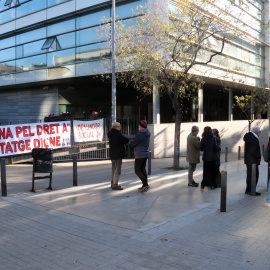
<point x="266" y="157"/>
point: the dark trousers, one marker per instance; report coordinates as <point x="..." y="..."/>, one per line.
<point x="209" y="173"/>
<point x="140" y="170"/>
<point x="249" y="175"/>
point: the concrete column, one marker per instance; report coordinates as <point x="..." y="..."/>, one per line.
<point x="230" y="104"/>
<point x="156" y="106"/>
<point x="200" y="105"/>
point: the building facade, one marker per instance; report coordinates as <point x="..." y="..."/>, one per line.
<point x="50" y="54"/>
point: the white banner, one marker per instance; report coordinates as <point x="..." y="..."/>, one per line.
<point x="88" y="131"/>
<point x="21" y="139"/>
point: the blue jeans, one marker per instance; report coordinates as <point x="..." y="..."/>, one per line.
<point x="268" y="194"/>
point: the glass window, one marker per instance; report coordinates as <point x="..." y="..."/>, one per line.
<point x="7" y="15"/>
<point x="51" y="44"/>
<point x="7" y="54"/>
<point x="90" y="35"/>
<point x="67" y="40"/>
<point x="19" y="51"/>
<point x="57" y="58"/>
<point x="55" y="2"/>
<point x="131" y="9"/>
<point x="60" y="28"/>
<point x="91" y="52"/>
<point x="8" y="67"/>
<point x="30" y="7"/>
<point x="30" y="63"/>
<point x="92" y="19"/>
<point x="7" y="42"/>
<point x="32" y="48"/>
<point x="31" y="36"/>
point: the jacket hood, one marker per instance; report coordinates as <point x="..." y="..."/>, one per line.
<point x="112" y="132"/>
<point x="249" y="137"/>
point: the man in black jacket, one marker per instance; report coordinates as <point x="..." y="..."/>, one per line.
<point x="252" y="156"/>
<point x="117" y="152"/>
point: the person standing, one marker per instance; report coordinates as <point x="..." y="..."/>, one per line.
<point x="193" y="154"/>
<point x="208" y="146"/>
<point x="252" y="156"/>
<point x="140" y="143"/>
<point x="217" y="163"/>
<point x="117" y="152"/>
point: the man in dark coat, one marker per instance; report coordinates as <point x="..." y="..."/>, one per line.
<point x="252" y="156"/>
<point x="117" y="152"/>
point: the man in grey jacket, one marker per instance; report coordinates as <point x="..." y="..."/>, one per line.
<point x="193" y="154"/>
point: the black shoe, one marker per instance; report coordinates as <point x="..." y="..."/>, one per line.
<point x="193" y="184"/>
<point x="256" y="193"/>
<point x="212" y="187"/>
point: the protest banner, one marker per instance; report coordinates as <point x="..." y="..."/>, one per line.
<point x="22" y="138"/>
<point x="87" y="131"/>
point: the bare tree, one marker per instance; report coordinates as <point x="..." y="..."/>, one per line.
<point x="168" y="49"/>
<point x="253" y="105"/>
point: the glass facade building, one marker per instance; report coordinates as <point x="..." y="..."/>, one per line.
<point x="50" y="45"/>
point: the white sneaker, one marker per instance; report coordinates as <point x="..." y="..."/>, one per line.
<point x="266" y="205"/>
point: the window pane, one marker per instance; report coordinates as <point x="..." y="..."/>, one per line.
<point x="31" y="63"/>
<point x="33" y="48"/>
<point x="8" y="67"/>
<point x="128" y="10"/>
<point x="92" y="19"/>
<point x="19" y="51"/>
<point x="67" y="40"/>
<point x="55" y="2"/>
<point x="31" y="36"/>
<point x="7" y="54"/>
<point x="7" y="42"/>
<point x="90" y="35"/>
<point x="30" y="7"/>
<point x="91" y="52"/>
<point x="48" y="43"/>
<point x="7" y="15"/>
<point x="61" y="58"/>
<point x="62" y="27"/>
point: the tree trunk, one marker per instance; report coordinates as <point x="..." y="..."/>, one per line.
<point x="177" y="140"/>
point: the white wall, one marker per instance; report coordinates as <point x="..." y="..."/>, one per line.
<point x="231" y="133"/>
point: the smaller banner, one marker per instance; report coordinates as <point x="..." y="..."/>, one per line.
<point x="88" y="131"/>
<point x="21" y="139"/>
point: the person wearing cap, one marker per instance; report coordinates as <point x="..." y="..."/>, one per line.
<point x="117" y="152"/>
<point x="140" y="143"/>
<point x="193" y="154"/>
<point x="252" y="156"/>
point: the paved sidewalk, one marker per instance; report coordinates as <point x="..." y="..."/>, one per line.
<point x="170" y="227"/>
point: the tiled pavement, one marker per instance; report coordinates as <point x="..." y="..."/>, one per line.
<point x="170" y="227"/>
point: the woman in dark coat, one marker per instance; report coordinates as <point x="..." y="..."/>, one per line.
<point x="208" y="146"/>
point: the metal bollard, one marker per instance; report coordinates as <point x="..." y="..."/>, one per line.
<point x="223" y="192"/>
<point x="3" y="177"/>
<point x="226" y="154"/>
<point x="253" y="180"/>
<point x="239" y="152"/>
<point x="149" y="163"/>
<point x="75" y="174"/>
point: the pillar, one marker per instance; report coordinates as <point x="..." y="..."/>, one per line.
<point x="156" y="106"/>
<point x="200" y="105"/>
<point x="230" y="104"/>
